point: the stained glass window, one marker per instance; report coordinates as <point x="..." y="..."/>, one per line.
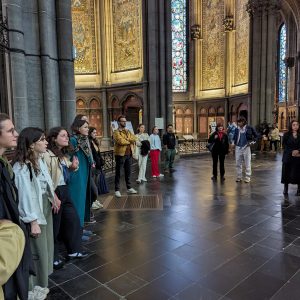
<point x="179" y="52"/>
<point x="282" y="78"/>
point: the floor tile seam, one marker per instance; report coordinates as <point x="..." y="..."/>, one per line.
<point x="286" y="284"/>
<point x="102" y="284"/>
<point x="59" y="284"/>
<point x="249" y="275"/>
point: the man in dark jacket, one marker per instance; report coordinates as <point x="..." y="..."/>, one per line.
<point x="244" y="135"/>
<point x="17" y="284"/>
<point x="169" y="142"/>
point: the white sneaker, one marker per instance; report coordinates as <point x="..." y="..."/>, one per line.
<point x="138" y="181"/>
<point x="99" y="204"/>
<point x="145" y="180"/>
<point x="154" y="176"/>
<point x="118" y="194"/>
<point x="41" y="289"/>
<point x="247" y="180"/>
<point x="31" y="296"/>
<point x="161" y="175"/>
<point x="95" y="205"/>
<point x="132" y="191"/>
<point x="238" y="180"/>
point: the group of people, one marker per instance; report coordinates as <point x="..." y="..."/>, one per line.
<point x="269" y="138"/>
<point x="139" y="146"/>
<point x="242" y="136"/>
<point x="47" y="192"/>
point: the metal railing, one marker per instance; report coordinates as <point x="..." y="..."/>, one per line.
<point x="109" y="161"/>
<point x="192" y="146"/>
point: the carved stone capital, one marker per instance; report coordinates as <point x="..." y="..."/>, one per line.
<point x="228" y="23"/>
<point x="196" y="32"/>
<point x="257" y="7"/>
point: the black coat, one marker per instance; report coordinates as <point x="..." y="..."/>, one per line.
<point x="221" y="147"/>
<point x="99" y="161"/>
<point x="18" y="283"/>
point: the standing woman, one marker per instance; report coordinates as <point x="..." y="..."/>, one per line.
<point x="291" y="164"/>
<point x="99" y="163"/>
<point x="36" y="196"/>
<point x="66" y="223"/>
<point x="79" y="183"/>
<point x="155" y="149"/>
<point x="219" y="150"/>
<point x="141" y="143"/>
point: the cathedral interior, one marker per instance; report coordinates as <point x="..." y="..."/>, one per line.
<point x="191" y="63"/>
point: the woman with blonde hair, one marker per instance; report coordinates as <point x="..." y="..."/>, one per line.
<point x="143" y="148"/>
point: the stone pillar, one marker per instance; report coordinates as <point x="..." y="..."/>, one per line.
<point x="17" y="62"/>
<point x="106" y="138"/>
<point x="158" y="61"/>
<point x="49" y="64"/>
<point x="66" y="63"/>
<point x="263" y="58"/>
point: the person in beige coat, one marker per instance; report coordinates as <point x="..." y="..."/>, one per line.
<point x="11" y="250"/>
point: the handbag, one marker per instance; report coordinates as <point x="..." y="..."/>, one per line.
<point x="210" y="146"/>
<point x="134" y="151"/>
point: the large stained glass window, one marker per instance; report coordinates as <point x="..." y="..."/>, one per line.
<point x="282" y="78"/>
<point x="179" y="52"/>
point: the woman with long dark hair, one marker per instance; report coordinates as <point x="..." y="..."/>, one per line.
<point x="291" y="164"/>
<point x="66" y="223"/>
<point x="99" y="176"/>
<point x="219" y="150"/>
<point x="80" y="183"/>
<point x="155" y="149"/>
<point x="36" y="196"/>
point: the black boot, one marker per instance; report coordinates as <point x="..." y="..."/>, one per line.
<point x="298" y="190"/>
<point x="286" y="189"/>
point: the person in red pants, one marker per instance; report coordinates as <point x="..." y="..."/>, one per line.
<point x="155" y="149"/>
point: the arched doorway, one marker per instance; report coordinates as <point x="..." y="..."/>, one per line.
<point x="131" y="109"/>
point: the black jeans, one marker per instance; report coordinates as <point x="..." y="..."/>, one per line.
<point x="275" y="145"/>
<point x="66" y="224"/>
<point x="120" y="162"/>
<point x="221" y="157"/>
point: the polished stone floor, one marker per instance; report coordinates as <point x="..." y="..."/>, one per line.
<point x="212" y="240"/>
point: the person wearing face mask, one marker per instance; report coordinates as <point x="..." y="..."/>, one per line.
<point x="219" y="150"/>
<point x="123" y="149"/>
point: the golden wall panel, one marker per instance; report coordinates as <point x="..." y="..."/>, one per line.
<point x="127" y="37"/>
<point x="241" y="43"/>
<point x="213" y="57"/>
<point x="83" y="21"/>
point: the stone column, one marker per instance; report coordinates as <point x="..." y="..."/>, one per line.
<point x="158" y="61"/>
<point x="17" y="62"/>
<point x="49" y="64"/>
<point x="106" y="138"/>
<point x="66" y="63"/>
<point x="263" y="58"/>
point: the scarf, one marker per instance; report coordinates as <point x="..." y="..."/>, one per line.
<point x="220" y="135"/>
<point x="84" y="144"/>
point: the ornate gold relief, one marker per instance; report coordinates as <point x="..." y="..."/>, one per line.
<point x="228" y="23"/>
<point x="83" y="21"/>
<point x="241" y="69"/>
<point x="127" y="50"/>
<point x="196" y="32"/>
<point x="213" y="45"/>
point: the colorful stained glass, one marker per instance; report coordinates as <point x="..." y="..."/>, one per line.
<point x="282" y="78"/>
<point x="179" y="53"/>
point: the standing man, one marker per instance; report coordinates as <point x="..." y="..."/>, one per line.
<point x="17" y="284"/>
<point x="244" y="135"/>
<point x="124" y="143"/>
<point x="169" y="141"/>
